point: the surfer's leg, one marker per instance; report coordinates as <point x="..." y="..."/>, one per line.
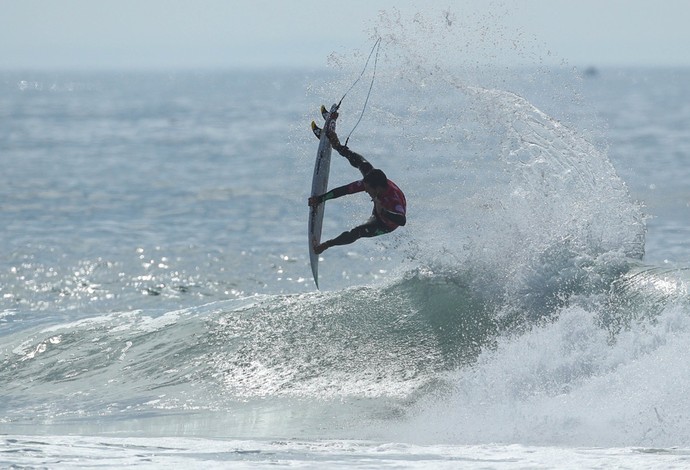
<point x="372" y="228"/>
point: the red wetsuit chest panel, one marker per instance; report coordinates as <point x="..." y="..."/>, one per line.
<point x="391" y="199"/>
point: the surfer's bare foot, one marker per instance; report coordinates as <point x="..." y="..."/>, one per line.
<point x="318" y="249"/>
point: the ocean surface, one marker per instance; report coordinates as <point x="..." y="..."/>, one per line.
<point x="157" y="307"/>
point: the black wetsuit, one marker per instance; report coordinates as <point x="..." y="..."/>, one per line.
<point x="391" y="213"/>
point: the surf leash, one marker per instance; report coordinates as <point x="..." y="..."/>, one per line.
<point x="376" y="47"/>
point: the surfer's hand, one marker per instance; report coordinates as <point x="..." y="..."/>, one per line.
<point x="334" y="115"/>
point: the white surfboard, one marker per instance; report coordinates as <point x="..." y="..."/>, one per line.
<point x="319" y="185"/>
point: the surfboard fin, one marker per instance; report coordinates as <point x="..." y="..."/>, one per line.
<point x="324" y="112"/>
<point x="316" y="130"/>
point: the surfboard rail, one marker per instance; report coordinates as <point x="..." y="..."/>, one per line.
<point x="319" y="185"/>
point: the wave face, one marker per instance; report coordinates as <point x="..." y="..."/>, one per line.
<point x="398" y="354"/>
<point x="362" y="342"/>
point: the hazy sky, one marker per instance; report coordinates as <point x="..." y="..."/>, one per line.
<point x="225" y="33"/>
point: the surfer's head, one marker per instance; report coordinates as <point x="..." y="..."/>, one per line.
<point x="374" y="181"/>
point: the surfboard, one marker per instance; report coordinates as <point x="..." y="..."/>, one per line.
<point x="319" y="185"/>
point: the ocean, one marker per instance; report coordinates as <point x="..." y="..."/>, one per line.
<point x="157" y="306"/>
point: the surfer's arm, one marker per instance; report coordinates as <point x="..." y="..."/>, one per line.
<point x="354" y="158"/>
<point x="354" y="187"/>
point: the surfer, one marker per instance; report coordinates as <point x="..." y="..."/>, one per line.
<point x="389" y="201"/>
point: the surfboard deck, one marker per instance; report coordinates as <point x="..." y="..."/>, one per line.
<point x="319" y="185"/>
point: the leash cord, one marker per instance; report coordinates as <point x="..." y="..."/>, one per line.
<point x="377" y="46"/>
